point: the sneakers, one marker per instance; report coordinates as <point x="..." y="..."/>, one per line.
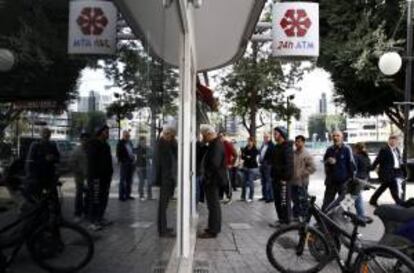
<point x="249" y="200"/>
<point x="142" y="199"/>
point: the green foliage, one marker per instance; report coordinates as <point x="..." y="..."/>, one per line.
<point x="86" y="122"/>
<point x="146" y="81"/>
<point x="320" y="124"/>
<point x="353" y="36"/>
<point x="258" y="83"/>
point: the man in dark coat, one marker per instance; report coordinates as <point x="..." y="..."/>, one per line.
<point x="100" y="172"/>
<point x="214" y="172"/>
<point x="143" y="153"/>
<point x="41" y="163"/>
<point x="390" y="172"/>
<point x="126" y="158"/>
<point x="282" y="173"/>
<point x="165" y="167"/>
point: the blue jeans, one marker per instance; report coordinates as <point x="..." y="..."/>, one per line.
<point x="300" y="202"/>
<point x="142" y="177"/>
<point x="249" y="176"/>
<point x="267" y="190"/>
<point x="359" y="206"/>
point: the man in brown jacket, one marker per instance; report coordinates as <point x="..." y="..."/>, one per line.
<point x="304" y="166"/>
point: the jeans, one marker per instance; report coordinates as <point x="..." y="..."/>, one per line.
<point x="267" y="191"/>
<point x="125" y="181"/>
<point x="142" y="178"/>
<point x="359" y="206"/>
<point x="249" y="175"/>
<point x="300" y="201"/>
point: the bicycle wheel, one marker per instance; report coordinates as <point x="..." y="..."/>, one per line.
<point x="288" y="250"/>
<point x="65" y="248"/>
<point x="381" y="259"/>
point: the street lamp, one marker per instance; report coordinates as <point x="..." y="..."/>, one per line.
<point x="390" y="64"/>
<point x="7" y="60"/>
<point x="288" y="99"/>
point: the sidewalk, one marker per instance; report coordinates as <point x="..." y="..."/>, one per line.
<point x="132" y="243"/>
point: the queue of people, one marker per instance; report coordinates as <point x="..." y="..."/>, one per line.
<point x="284" y="168"/>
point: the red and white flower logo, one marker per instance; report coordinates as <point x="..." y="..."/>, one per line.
<point x="295" y="23"/>
<point x="92" y="21"/>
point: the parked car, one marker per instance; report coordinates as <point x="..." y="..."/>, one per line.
<point x="64" y="147"/>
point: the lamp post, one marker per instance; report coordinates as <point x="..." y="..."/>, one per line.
<point x="7" y="60"/>
<point x="389" y="64"/>
<point x="288" y="99"/>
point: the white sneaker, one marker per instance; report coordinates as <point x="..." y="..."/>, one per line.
<point x="249" y="200"/>
<point x="142" y="199"/>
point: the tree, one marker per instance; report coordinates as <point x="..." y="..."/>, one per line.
<point x="146" y="82"/>
<point x="320" y="124"/>
<point x="257" y="83"/>
<point x="353" y="36"/>
<point x="44" y="70"/>
<point x="86" y="122"/>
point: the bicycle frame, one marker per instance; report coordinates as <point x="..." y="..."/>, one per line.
<point x="324" y="221"/>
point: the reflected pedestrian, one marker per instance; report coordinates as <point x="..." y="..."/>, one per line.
<point x="79" y="166"/>
<point x="363" y="166"/>
<point x="100" y="172"/>
<point x="165" y="166"/>
<point x="126" y="159"/>
<point x="142" y="155"/>
<point x="230" y="154"/>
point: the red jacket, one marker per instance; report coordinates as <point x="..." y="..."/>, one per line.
<point x="230" y="153"/>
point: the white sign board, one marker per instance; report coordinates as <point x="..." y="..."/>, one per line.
<point x="295" y="29"/>
<point x="92" y="27"/>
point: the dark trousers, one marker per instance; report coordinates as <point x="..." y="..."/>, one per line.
<point x="166" y="192"/>
<point x="98" y="196"/>
<point x="281" y="193"/>
<point x="213" y="204"/>
<point x="80" y="197"/>
<point x="267" y="190"/>
<point x="394" y="189"/>
<point x="227" y="189"/>
<point x="200" y="189"/>
<point x="125" y="181"/>
<point x="233" y="176"/>
<point x="332" y="189"/>
<point x="300" y="201"/>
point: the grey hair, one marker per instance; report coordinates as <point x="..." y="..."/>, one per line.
<point x="169" y="129"/>
<point x="207" y="129"/>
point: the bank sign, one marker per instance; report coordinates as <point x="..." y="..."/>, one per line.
<point x="92" y="27"/>
<point x="295" y="29"/>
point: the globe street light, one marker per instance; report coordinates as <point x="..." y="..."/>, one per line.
<point x="7" y="60"/>
<point x="389" y="64"/>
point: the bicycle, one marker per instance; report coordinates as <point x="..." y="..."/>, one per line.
<point x="53" y="243"/>
<point x="312" y="248"/>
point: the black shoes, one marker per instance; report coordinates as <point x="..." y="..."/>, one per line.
<point x="207" y="235"/>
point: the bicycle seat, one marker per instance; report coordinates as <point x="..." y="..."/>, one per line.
<point x="356" y="220"/>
